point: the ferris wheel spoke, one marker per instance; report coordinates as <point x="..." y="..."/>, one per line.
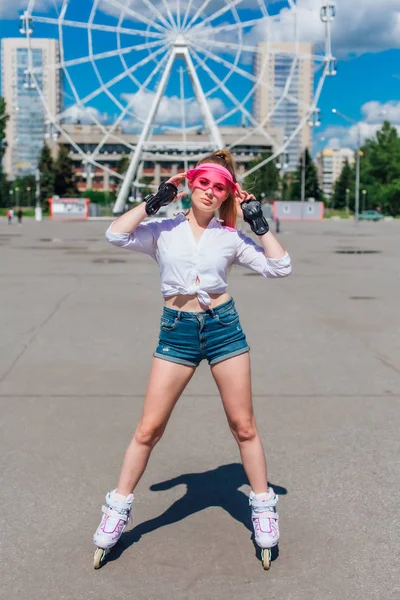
<point x="118" y="78"/>
<point x="56" y="7"/>
<point x="217" y="14"/>
<point x="231" y="45"/>
<point x="130" y="11"/>
<point x="198" y="13"/>
<point x="272" y="51"/>
<point x="233" y="26"/>
<point x="239" y="105"/>
<point x="76" y="97"/>
<point x="97" y="27"/>
<point x="128" y="106"/>
<point x="29" y="8"/>
<point x="80" y="61"/>
<point x="169" y="13"/>
<point x="277" y="152"/>
<point x="187" y="13"/>
<point x="242" y="72"/>
<point x="158" y="14"/>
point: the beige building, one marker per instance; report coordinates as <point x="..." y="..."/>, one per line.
<point x="26" y="125"/>
<point x="164" y="155"/>
<point x="330" y="164"/>
<point x="273" y="63"/>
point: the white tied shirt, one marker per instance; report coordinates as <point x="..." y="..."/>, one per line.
<point x="197" y="268"/>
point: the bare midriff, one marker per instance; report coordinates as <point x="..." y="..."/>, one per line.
<point x="190" y="303"/>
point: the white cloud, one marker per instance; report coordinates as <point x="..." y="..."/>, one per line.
<point x="12" y="9"/>
<point x="334" y="143"/>
<point x="374" y="111"/>
<point x="360" y="26"/>
<point x="169" y="112"/>
<point x="86" y="115"/>
<point x="374" y="114"/>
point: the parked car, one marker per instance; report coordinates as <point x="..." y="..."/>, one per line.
<point x="370" y="215"/>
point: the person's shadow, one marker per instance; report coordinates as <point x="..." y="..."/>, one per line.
<point x="218" y="487"/>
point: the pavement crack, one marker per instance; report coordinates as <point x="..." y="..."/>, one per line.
<point x="387" y="363"/>
<point x="36" y="330"/>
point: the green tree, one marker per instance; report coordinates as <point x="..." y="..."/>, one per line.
<point x="344" y="182"/>
<point x="265" y="182"/>
<point x="380" y="171"/>
<point x="147" y="180"/>
<point x="4" y="186"/>
<point x="24" y="190"/>
<point x="287" y="182"/>
<point x="312" y="189"/>
<point x="65" y="183"/>
<point x="121" y="169"/>
<point x="123" y="164"/>
<point x="97" y="197"/>
<point x="47" y="174"/>
<point x="383" y="154"/>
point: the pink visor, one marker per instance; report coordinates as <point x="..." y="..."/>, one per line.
<point x="193" y="173"/>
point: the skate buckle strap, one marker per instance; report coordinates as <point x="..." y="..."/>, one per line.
<point x="266" y="515"/>
<point x="112" y="512"/>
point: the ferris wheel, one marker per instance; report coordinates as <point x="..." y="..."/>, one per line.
<point x="150" y="67"/>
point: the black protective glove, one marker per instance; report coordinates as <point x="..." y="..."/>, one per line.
<point x="166" y="194"/>
<point x="253" y="215"/>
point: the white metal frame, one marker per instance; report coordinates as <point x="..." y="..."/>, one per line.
<point x="188" y="33"/>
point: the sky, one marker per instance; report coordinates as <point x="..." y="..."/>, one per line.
<point x="365" y="41"/>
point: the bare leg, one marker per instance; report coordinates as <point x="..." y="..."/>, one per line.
<point x="166" y="384"/>
<point x="233" y="378"/>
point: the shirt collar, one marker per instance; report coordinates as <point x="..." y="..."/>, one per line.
<point x="183" y="214"/>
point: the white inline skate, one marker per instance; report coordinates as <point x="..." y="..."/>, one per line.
<point x="265" y="523"/>
<point x="117" y="514"/>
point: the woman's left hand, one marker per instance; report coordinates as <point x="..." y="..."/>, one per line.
<point x="242" y="196"/>
<point x="176" y="180"/>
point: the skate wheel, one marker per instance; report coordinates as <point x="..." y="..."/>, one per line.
<point x="266" y="558"/>
<point x="99" y="557"/>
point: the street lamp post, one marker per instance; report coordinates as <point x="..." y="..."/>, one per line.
<point x="17" y="196"/>
<point x="303" y="179"/>
<point x="347" y="202"/>
<point x="357" y="198"/>
<point x="282" y="165"/>
<point x="364" y="193"/>
<point x="38" y="208"/>
<point x="314" y="121"/>
<point x="28" y="189"/>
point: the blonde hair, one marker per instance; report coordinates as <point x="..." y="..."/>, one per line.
<point x="227" y="210"/>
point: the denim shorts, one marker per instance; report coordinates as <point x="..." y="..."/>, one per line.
<point x="187" y="337"/>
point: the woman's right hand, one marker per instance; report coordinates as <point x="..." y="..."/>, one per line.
<point x="176" y="180"/>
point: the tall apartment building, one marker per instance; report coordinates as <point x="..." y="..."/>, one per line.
<point x="330" y="164"/>
<point x="278" y="58"/>
<point x="26" y="125"/>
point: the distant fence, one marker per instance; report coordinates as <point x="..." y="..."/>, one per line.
<point x="298" y="211"/>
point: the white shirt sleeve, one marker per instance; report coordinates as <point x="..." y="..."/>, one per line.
<point x="143" y="239"/>
<point x="252" y="256"/>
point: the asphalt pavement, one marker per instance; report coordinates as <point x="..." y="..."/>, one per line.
<point x="79" y="322"/>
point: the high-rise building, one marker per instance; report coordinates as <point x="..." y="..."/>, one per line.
<point x="275" y="65"/>
<point x="26" y="125"/>
<point x="330" y="164"/>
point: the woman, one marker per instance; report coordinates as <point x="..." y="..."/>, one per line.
<point x="194" y="252"/>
